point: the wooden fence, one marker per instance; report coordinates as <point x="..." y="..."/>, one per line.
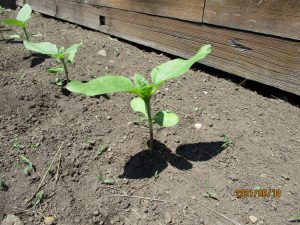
<point x="255" y="39"/>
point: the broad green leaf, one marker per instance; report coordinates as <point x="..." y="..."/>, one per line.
<point x="15" y="36"/>
<point x="177" y="67"/>
<point x="140" y="81"/>
<point x="14" y="22"/>
<point x="138" y="105"/>
<point x="101" y="85"/>
<point x="56" y="70"/>
<point x="45" y="48"/>
<point x="72" y="52"/>
<point x="166" y="119"/>
<point x="24" y="14"/>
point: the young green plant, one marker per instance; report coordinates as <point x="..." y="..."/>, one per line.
<point x="62" y="55"/>
<point x="21" y="20"/>
<point x="141" y="88"/>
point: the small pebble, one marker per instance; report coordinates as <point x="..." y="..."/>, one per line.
<point x="102" y="53"/>
<point x="96" y="213"/>
<point x="12" y="220"/>
<point x="198" y="126"/>
<point x="49" y="220"/>
<point x="253" y="219"/>
<point x="168" y="218"/>
<point x="285" y="176"/>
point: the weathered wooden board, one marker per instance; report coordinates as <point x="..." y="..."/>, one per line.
<point x="269" y="60"/>
<point x="186" y="10"/>
<point x="275" y="17"/>
<point x="44" y="6"/>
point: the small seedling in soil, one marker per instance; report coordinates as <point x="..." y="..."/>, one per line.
<point x="105" y="181"/>
<point x="35" y="145"/>
<point x="21" y="21"/>
<point x="29" y="167"/>
<point x="62" y="55"/>
<point x="39" y="198"/>
<point x="102" y="148"/>
<point x="295" y="218"/>
<point x="3" y="185"/>
<point x="227" y="142"/>
<point x="16" y="144"/>
<point x="210" y="194"/>
<point x="141" y="88"/>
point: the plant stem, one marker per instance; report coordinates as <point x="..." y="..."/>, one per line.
<point x="65" y="69"/>
<point x="148" y="111"/>
<point x="27" y="37"/>
<point x="26" y="34"/>
<point x="1" y="34"/>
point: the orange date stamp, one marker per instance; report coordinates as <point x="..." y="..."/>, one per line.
<point x="258" y="193"/>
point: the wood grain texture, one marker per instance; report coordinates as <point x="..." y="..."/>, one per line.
<point x="186" y="10"/>
<point x="275" y="17"/>
<point x="268" y="60"/>
<point x="42" y="6"/>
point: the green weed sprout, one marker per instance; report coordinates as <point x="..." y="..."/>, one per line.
<point x="62" y="55"/>
<point x="21" y="20"/>
<point x="141" y="88"/>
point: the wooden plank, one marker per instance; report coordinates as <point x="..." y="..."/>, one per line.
<point x="43" y="6"/>
<point x="275" y="17"/>
<point x="265" y="59"/>
<point x="186" y="10"/>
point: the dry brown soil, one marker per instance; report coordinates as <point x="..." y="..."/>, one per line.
<point x="36" y="118"/>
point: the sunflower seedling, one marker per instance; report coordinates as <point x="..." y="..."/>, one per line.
<point x="102" y="148"/>
<point x="105" y="181"/>
<point x="29" y="167"/>
<point x="62" y="55"/>
<point x="21" y="21"/>
<point x="39" y="198"/>
<point x="141" y="88"/>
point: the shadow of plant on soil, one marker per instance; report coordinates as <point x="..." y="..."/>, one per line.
<point x="146" y="164"/>
<point x="37" y="59"/>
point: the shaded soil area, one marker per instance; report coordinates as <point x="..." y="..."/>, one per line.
<point x="190" y="170"/>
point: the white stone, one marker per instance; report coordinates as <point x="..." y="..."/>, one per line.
<point x="253" y="219"/>
<point x="12" y="220"/>
<point x="198" y="126"/>
<point x="102" y="53"/>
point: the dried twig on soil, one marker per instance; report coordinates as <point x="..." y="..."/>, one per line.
<point x="30" y="211"/>
<point x="47" y="171"/>
<point x="139" y="197"/>
<point x="220" y="214"/>
<point x="57" y="171"/>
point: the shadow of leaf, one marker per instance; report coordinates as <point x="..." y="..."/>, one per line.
<point x="146" y="164"/>
<point x="200" y="151"/>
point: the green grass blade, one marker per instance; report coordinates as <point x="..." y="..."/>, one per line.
<point x="24" y="14"/>
<point x="101" y="85"/>
<point x="177" y="67"/>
